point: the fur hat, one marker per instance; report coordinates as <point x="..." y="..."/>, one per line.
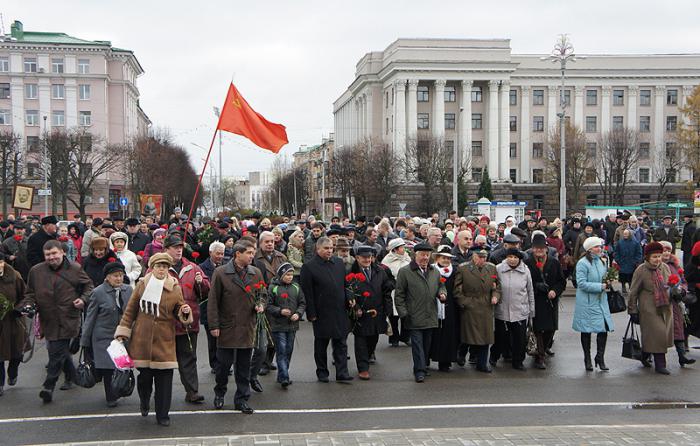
<point x="653" y="248"/>
<point x="99" y="243"/>
<point x="592" y="242"/>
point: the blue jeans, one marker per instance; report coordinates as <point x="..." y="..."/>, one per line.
<point x="420" y="346"/>
<point x="284" y="346"/>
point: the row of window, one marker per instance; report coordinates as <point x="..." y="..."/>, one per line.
<point x="591" y="147"/>
<point x="58" y="91"/>
<point x="644" y="175"/>
<point x="57" y="65"/>
<point x="58" y="118"/>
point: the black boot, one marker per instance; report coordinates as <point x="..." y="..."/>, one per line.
<point x="586" y="344"/>
<point x="682" y="359"/>
<point x="601" y="339"/>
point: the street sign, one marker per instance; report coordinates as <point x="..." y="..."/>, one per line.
<point x="677" y="205"/>
<point x="44" y="192"/>
<point x="402" y="206"/>
<point x="338" y="207"/>
<point x="124" y="202"/>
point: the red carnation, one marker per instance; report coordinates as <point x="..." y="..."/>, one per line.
<point x="494" y="277"/>
<point x="195" y="255"/>
<point x="673" y="279"/>
<point x="257" y="286"/>
<point x="284" y="295"/>
<point x="447" y="270"/>
<point x="681" y="271"/>
<point x="365" y="294"/>
<point x="607" y="247"/>
<point x="18" y="237"/>
<point x="140" y="253"/>
<point x="111" y="260"/>
<point x="443" y="280"/>
<point x="247" y="289"/>
<point x="188" y="286"/>
<point x="361" y="277"/>
<point x="616" y="266"/>
<point x="262" y="284"/>
<point x="164" y="226"/>
<point x="539" y="265"/>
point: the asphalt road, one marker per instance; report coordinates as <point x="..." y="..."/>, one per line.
<point x="565" y="394"/>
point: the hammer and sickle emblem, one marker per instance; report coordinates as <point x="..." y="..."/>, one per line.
<point x="236" y="102"/>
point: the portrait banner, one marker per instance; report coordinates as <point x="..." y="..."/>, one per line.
<point x="151" y="205"/>
<point x="23" y="197"/>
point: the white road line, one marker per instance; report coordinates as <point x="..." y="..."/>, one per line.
<point x="621" y="404"/>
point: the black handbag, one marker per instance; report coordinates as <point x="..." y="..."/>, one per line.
<point x="85" y="373"/>
<point x="123" y="382"/>
<point x="616" y="302"/>
<point x="631" y="347"/>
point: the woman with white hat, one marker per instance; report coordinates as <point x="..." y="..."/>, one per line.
<point x="131" y="263"/>
<point x="592" y="314"/>
<point x="396" y="259"/>
<point x="445" y="340"/>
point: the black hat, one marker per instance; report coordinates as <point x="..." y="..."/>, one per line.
<point x="575" y="220"/>
<point x="422" y="247"/>
<point x="519" y="232"/>
<point x="117" y="219"/>
<point x="111" y="267"/>
<point x="361" y="218"/>
<point x="97" y="221"/>
<point x="49" y="220"/>
<point x="589" y="223"/>
<point x="624" y="217"/>
<point x="173" y="240"/>
<point x="334" y="232"/>
<point x="514" y="252"/>
<point x="539" y="241"/>
<point x="284" y="269"/>
<point x="511" y="238"/>
<point x="667" y="216"/>
<point x="153" y="226"/>
<point x="335" y="226"/>
<point x="132" y="221"/>
<point x="4" y="224"/>
<point x="365" y="250"/>
<point x="223" y="225"/>
<point x="253" y="229"/>
<point x="300" y="222"/>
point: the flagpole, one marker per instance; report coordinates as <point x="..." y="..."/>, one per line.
<point x="201" y="175"/>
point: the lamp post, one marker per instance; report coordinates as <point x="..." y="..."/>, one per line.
<point x="217" y="113"/>
<point x="563" y="52"/>
<point x="46" y="171"/>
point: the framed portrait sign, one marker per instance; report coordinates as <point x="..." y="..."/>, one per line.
<point x="23" y="197"/>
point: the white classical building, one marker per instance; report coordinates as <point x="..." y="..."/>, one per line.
<point x="498" y="107"/>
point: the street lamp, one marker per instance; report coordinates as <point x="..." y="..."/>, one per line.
<point x="563" y="52"/>
<point x="46" y="171"/>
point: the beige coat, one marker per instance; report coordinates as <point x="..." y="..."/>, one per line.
<point x="656" y="322"/>
<point x="473" y="291"/>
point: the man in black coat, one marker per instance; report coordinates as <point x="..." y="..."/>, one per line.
<point x="137" y="239"/>
<point x="323" y="282"/>
<point x="687" y="240"/>
<point x="35" y="244"/>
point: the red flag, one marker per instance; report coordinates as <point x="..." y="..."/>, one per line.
<point x="239" y="118"/>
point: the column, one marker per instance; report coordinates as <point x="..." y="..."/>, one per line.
<point x="439" y="109"/>
<point x="369" y="103"/>
<point x="17" y="98"/>
<point x="492" y="122"/>
<point x="552" y="107"/>
<point x="71" y="103"/>
<point x="353" y="121"/>
<point x="632" y="93"/>
<point x="363" y="124"/>
<point x="412" y="109"/>
<point x="400" y="118"/>
<point x="465" y="120"/>
<point x="659" y="119"/>
<point x="605" y="110"/>
<point x="578" y="107"/>
<point x="44" y="102"/>
<point x="525" y="151"/>
<point x="504" y="133"/>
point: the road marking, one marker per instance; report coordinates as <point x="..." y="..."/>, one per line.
<point x="620" y="404"/>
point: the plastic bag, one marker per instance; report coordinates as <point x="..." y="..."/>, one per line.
<point x="120" y="356"/>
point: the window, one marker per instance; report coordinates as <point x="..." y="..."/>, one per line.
<point x="33" y="143"/>
<point x="32" y="117"/>
<point x="670" y="175"/>
<point x="591" y="148"/>
<point x="513" y="123"/>
<point x="538" y="201"/>
<point x="644" y="175"/>
<point x="30" y="65"/>
<point x="618" y="97"/>
<point x="86" y="142"/>
<point x="567" y="97"/>
<point x="4" y="117"/>
<point x="513" y="150"/>
<point x="4" y="64"/>
<point x="84" y="92"/>
<point x="83" y="66"/>
<point x="85" y="118"/>
<point x="537" y="176"/>
<point x="672" y="97"/>
<point x="644" y="151"/>
<point x="591" y="124"/>
<point x="423" y="95"/>
<point x="513" y="97"/>
<point x="537" y="150"/>
<point x="538" y="123"/>
<point x="57" y="66"/>
<point x="31" y="91"/>
<point x="386" y="99"/>
<point x="33" y="170"/>
<point x="4" y="91"/>
<point x="476" y="121"/>
<point x="618" y="122"/>
<point x="386" y="125"/>
<point x="671" y="123"/>
<point x="590" y="176"/>
<point x="85" y="171"/>
<point x="58" y="118"/>
<point x="476" y="94"/>
<point x="58" y="91"/>
<point x="645" y="97"/>
<point x="450" y="121"/>
<point x="476" y="174"/>
<point x="644" y="198"/>
<point x="513" y="175"/>
<point x="592" y="200"/>
<point x="423" y="121"/>
<point x="476" y="148"/>
<point x="450" y="94"/>
<point x="644" y="123"/>
<point x="537" y="97"/>
<point x="591" y="97"/>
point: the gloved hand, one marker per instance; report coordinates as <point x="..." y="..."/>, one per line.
<point x="635" y="318"/>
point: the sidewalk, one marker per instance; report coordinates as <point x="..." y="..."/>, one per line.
<point x="676" y="434"/>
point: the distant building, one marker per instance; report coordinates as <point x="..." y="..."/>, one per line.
<point x="310" y="159"/>
<point x="253" y="192"/>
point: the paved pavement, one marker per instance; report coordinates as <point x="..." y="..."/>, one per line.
<point x="565" y="394"/>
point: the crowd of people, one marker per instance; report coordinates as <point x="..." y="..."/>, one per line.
<point x="456" y="289"/>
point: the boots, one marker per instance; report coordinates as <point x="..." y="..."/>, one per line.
<point x="682" y="359"/>
<point x="601" y="339"/>
<point x="660" y="364"/>
<point x="586" y="344"/>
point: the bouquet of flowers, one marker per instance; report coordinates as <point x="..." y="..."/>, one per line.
<point x="613" y="273"/>
<point x="352" y="283"/>
<point x="258" y="293"/>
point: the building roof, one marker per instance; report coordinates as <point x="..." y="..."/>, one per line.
<point x="18" y="34"/>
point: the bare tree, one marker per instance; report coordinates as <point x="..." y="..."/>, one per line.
<point x="578" y="161"/>
<point x="10" y="163"/>
<point x="56" y="167"/>
<point x="618" y="157"/>
<point x="666" y="163"/>
<point x="688" y="133"/>
<point x="382" y="175"/>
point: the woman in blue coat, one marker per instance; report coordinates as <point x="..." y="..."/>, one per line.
<point x="592" y="314"/>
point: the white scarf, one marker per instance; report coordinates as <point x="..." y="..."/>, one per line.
<point x="151" y="296"/>
<point x="445" y="274"/>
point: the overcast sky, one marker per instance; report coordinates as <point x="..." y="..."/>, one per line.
<point x="292" y="59"/>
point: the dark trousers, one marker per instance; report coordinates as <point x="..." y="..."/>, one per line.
<point x="510" y="336"/>
<point x="187" y="362"/>
<point x="262" y="357"/>
<point x="240" y="359"/>
<point x="211" y="348"/>
<point x="12" y="370"/>
<point x="340" y="356"/>
<point x="420" y="346"/>
<point x="364" y="348"/>
<point x="544" y="341"/>
<point x="106" y="375"/>
<point x="60" y="359"/>
<point x="284" y="346"/>
<point x="163" y="380"/>
<point x="482" y="355"/>
<point x="398" y="334"/>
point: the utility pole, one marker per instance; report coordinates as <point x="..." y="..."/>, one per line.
<point x="323" y="184"/>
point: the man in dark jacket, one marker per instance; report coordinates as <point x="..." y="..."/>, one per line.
<point x="687" y="240"/>
<point x="310" y="241"/>
<point x="59" y="289"/>
<point x="16" y="249"/>
<point x="323" y="282"/>
<point x="667" y="232"/>
<point x="461" y="251"/>
<point x="35" y="245"/>
<point x="137" y="239"/>
<point x="216" y="258"/>
<point x="571" y="235"/>
<point x="509" y="241"/>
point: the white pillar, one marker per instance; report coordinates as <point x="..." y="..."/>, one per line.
<point x="465" y="121"/>
<point x="605" y="110"/>
<point x="525" y="150"/>
<point x="71" y="103"/>
<point x="552" y="108"/>
<point x="412" y="109"/>
<point x="439" y="109"/>
<point x="578" y="107"/>
<point x="353" y="121"/>
<point x="632" y="93"/>
<point x="400" y="118"/>
<point x="369" y="115"/>
<point x="17" y="98"/>
<point x="659" y="119"/>
<point x="504" y="134"/>
<point x="363" y="118"/>
<point x="492" y="122"/>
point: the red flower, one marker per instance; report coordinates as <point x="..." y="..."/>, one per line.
<point x="195" y="255"/>
<point x="18" y="237"/>
<point x="284" y="295"/>
<point x="361" y="277"/>
<point x="539" y="265"/>
<point x="494" y="277"/>
<point x="262" y="284"/>
<point x="349" y="277"/>
<point x="607" y="247"/>
<point x="681" y="271"/>
<point x="443" y="280"/>
<point x="247" y="289"/>
<point x="257" y="286"/>
<point x="111" y="260"/>
<point x="447" y="270"/>
<point x="616" y="266"/>
<point x="673" y="279"/>
<point x="140" y="253"/>
<point x="63" y="238"/>
<point x="188" y="286"/>
<point x="164" y="226"/>
<point x="365" y="294"/>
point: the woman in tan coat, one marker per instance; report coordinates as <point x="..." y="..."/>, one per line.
<point x="149" y="324"/>
<point x="650" y="306"/>
<point x="12" y="337"/>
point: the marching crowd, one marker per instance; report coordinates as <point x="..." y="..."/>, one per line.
<point x="457" y="290"/>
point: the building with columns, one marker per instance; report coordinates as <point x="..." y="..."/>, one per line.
<point x="498" y="108"/>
